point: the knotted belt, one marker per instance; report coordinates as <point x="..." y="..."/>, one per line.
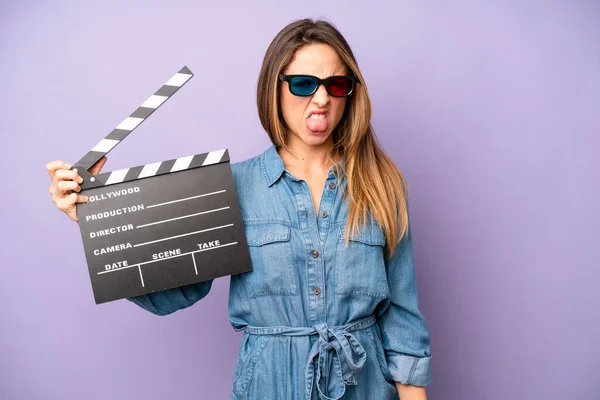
<point x="336" y="346"/>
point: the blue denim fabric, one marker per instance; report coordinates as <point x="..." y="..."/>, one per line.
<point x="320" y="320"/>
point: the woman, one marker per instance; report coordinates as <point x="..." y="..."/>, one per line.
<point x="330" y="309"/>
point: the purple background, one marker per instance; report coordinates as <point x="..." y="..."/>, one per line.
<point x="491" y="110"/>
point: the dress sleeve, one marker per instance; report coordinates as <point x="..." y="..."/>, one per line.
<point x="405" y="334"/>
<point x="168" y="301"/>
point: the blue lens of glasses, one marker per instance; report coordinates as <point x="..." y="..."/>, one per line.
<point x="303" y="86"/>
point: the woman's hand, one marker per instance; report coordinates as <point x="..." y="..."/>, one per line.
<point x="65" y="187"/>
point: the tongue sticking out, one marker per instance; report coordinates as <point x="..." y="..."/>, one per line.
<point x="317" y="124"/>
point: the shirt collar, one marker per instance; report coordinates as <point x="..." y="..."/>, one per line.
<point x="272" y="165"/>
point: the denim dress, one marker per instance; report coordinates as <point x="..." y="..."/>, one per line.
<point x="321" y="320"/>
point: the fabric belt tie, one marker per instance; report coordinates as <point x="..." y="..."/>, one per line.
<point x="336" y="348"/>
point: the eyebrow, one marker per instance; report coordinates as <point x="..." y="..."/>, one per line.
<point x="306" y="73"/>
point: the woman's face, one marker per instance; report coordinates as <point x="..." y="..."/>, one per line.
<point x="312" y="119"/>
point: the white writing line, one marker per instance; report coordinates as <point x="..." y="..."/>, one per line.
<point x="185" y="234"/>
<point x="194" y="260"/>
<point x="185" y="216"/>
<point x="187" y="198"/>
<point x="141" y="277"/>
<point x="166" y="258"/>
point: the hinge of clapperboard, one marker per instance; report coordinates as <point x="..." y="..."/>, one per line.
<point x="126" y="127"/>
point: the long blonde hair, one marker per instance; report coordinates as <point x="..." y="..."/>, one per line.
<point x="374" y="183"/>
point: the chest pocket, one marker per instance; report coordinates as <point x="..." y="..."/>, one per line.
<point x="271" y="253"/>
<point x="360" y="267"/>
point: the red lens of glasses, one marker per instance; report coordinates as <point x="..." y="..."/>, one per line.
<point x="339" y="86"/>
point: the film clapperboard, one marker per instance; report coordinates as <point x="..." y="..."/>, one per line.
<point x="160" y="225"/>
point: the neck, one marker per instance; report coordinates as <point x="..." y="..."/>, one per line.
<point x="308" y="161"/>
<point x="302" y="154"/>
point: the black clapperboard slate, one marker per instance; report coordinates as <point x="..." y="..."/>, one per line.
<point x="160" y="225"/>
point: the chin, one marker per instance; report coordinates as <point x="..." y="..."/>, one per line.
<point x="315" y="140"/>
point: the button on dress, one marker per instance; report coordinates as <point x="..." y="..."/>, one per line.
<point x="321" y="320"/>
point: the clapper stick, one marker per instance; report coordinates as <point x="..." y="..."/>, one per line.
<point x="127" y="126"/>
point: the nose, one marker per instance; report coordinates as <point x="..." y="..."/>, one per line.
<point x="321" y="97"/>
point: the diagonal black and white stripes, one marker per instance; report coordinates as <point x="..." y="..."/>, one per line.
<point x="164" y="167"/>
<point x="135" y="119"/>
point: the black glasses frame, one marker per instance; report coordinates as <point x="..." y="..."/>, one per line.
<point x="288" y="78"/>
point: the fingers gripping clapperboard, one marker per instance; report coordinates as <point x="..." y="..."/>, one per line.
<point x="160" y="225"/>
